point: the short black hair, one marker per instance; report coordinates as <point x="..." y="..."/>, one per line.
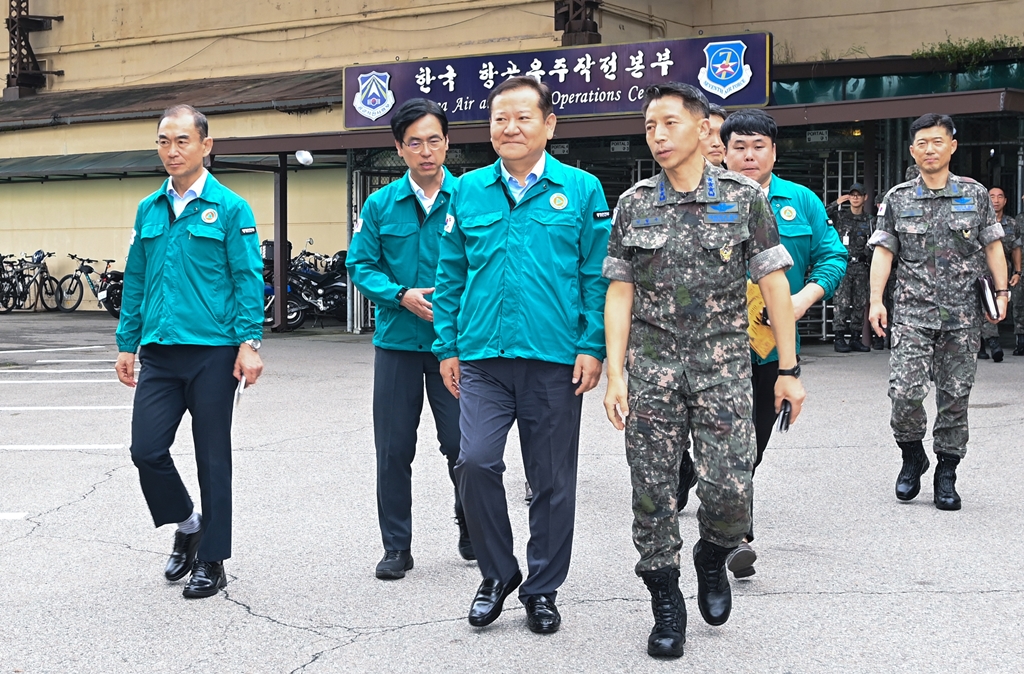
<point x="199" y="119"/>
<point x="749" y="122"/>
<point x="693" y="100"/>
<point x="929" y="120"/>
<point x="718" y="111"/>
<point x="547" y="106"/>
<point x="412" y="111"/>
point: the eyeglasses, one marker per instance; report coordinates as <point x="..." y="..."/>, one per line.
<point x="416" y="144"/>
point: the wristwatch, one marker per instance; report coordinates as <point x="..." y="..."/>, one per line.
<point x="254" y="344"/>
<point x="401" y="294"/>
<point x="791" y="372"/>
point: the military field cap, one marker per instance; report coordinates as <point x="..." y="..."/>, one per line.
<point x="856" y="187"/>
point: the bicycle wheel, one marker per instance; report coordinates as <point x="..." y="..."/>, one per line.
<point x="49" y="294"/>
<point x="6" y="296"/>
<point x="71" y="292"/>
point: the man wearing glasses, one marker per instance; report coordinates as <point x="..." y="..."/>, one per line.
<point x="392" y="260"/>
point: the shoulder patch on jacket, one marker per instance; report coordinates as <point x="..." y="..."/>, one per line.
<point x="248" y="230"/>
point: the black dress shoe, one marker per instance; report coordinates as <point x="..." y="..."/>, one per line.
<point x="541" y="615"/>
<point x="394" y="564"/>
<point x="489" y="599"/>
<point x="207" y="580"/>
<point x="183" y="555"/>
<point x="714" y="596"/>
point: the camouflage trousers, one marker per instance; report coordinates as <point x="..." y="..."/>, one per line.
<point x="851" y="299"/>
<point x="657" y="434"/>
<point x="949" y="358"/>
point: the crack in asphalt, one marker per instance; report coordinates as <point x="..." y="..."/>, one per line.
<point x="35" y="519"/>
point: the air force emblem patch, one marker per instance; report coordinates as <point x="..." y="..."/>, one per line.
<point x="725" y="73"/>
<point x="374" y="98"/>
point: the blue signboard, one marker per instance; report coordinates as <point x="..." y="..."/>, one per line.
<point x="585" y="81"/>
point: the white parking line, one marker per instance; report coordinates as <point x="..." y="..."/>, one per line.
<point x="62" y="348"/>
<point x="61" y="409"/>
<point x="101" y="360"/>
<point x="13" y="516"/>
<point x="26" y="447"/>
<point x="63" y="381"/>
<point x="36" y="370"/>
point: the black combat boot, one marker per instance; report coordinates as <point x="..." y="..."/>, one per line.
<point x="714" y="597"/>
<point x="982" y="354"/>
<point x="465" y="545"/>
<point x="1019" y="350"/>
<point x="669" y="633"/>
<point x="840" y="344"/>
<point x="915" y="463"/>
<point x="687" y="479"/>
<point x="857" y="344"/>
<point x="946" y="497"/>
<point x="877" y="343"/>
<point x="996" y="349"/>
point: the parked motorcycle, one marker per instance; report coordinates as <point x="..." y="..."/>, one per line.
<point x="321" y="294"/>
<point x="310" y="290"/>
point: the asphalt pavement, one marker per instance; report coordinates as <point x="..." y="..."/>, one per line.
<point x="848" y="579"/>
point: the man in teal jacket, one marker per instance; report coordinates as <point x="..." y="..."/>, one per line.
<point x="518" y="313"/>
<point x="819" y="263"/>
<point x="193" y="301"/>
<point x="392" y="260"/>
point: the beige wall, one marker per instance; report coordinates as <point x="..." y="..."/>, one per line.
<point x="107" y="43"/>
<point x="94" y="218"/>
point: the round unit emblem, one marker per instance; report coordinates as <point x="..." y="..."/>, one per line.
<point x="209" y="216"/>
<point x="559" y="201"/>
<point x="788" y="213"/>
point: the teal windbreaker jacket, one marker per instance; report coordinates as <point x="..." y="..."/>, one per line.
<point x="394" y="245"/>
<point x="818" y="253"/>
<point x="523" y="280"/>
<point x="196" y="279"/>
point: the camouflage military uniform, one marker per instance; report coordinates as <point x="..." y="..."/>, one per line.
<point x="939" y="238"/>
<point x="851" y="297"/>
<point x="1010" y="239"/>
<point x="688" y="357"/>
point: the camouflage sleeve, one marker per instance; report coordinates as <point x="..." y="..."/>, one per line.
<point x="764" y="250"/>
<point x="885" y="223"/>
<point x="989" y="230"/>
<point x="618" y="265"/>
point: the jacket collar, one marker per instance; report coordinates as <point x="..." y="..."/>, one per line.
<point x="707" y="191"/>
<point x="213" y="191"/>
<point x="405" y="187"/>
<point x="554" y="171"/>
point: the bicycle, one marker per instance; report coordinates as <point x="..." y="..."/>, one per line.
<point x="24" y="288"/>
<point x="72" y="290"/>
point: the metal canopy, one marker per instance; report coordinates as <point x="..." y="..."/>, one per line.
<point x="81" y="166"/>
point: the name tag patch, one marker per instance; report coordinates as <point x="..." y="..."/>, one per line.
<point x="964" y="208"/>
<point x="647" y="222"/>
<point x="248" y="230"/>
<point x="602" y="215"/>
<point x="912" y="213"/>
<point x="722" y="217"/>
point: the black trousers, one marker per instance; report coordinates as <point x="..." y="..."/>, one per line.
<point x="539" y="397"/>
<point x="763" y="380"/>
<point x="173" y="379"/>
<point x="398" y="382"/>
